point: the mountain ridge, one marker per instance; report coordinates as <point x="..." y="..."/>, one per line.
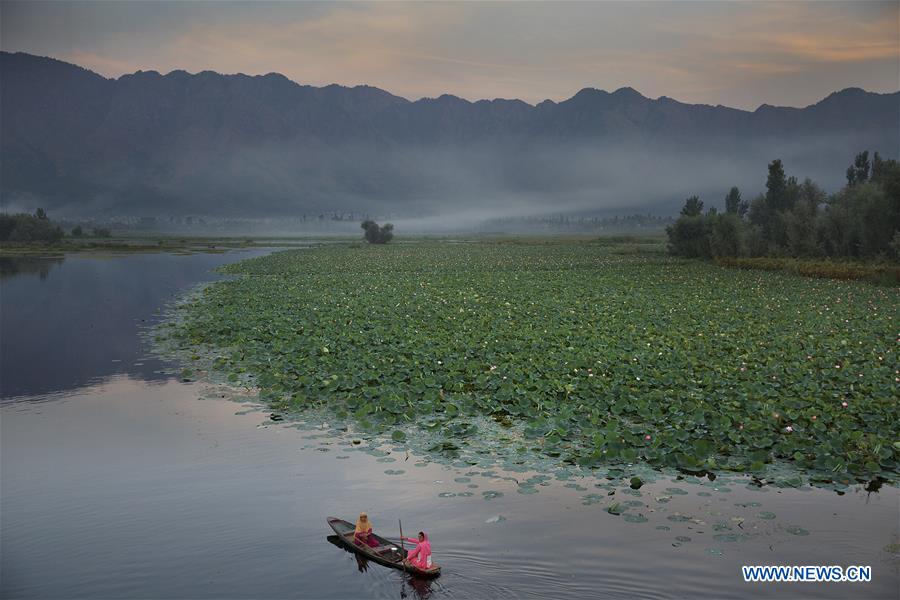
<point x="624" y="89"/>
<point x="245" y="144"/>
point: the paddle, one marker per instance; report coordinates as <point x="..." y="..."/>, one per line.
<point x="402" y="549"/>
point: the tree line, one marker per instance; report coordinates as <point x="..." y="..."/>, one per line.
<point x="798" y="219"/>
<point x="24" y="227"/>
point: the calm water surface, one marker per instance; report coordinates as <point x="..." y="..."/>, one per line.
<point x="121" y="481"/>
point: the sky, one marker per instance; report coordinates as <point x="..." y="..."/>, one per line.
<point x="739" y="53"/>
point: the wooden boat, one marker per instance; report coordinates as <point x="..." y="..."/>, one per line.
<point x="387" y="553"/>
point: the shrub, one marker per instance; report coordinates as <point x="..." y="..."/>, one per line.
<point x="375" y="234"/>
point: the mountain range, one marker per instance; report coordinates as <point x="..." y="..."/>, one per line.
<point x="151" y="144"/>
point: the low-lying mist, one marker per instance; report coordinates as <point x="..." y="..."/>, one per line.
<point x="422" y="188"/>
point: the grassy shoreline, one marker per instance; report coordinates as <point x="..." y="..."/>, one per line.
<point x="148" y="244"/>
<point x="881" y="273"/>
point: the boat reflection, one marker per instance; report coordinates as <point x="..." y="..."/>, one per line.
<point x="410" y="586"/>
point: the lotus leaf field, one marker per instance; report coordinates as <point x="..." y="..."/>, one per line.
<point x="594" y="354"/>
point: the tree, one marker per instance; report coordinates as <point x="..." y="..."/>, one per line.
<point x="890" y="181"/>
<point x="693" y="207"/>
<point x="878" y="165"/>
<point x="77" y="231"/>
<point x="858" y="172"/>
<point x="727" y="235"/>
<point x="776" y="186"/>
<point x="800" y="221"/>
<point x="41" y="214"/>
<point x="375" y="234"/>
<point x="733" y="201"/>
<point x="689" y="235"/>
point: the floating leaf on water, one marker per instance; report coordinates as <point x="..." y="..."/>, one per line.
<point x="342" y="457"/>
<point x="527" y="489"/>
<point x="541" y="479"/>
<point x="704" y="494"/>
<point x="632" y="518"/>
<point x="284" y="328"/>
<point x="496" y="519"/>
<point x="636" y="483"/>
<point x="615" y="508"/>
<point x="682" y="538"/>
<point x="796" y="530"/>
<point x="678" y="518"/>
<point x="663" y="527"/>
<point x="714" y="551"/>
<point x="764" y="514"/>
<point x="462" y="479"/>
<point x="446" y="495"/>
<point x="633" y="503"/>
<point x="491" y="494"/>
<point x="676" y="491"/>
<point x="386" y="459"/>
<point x="893" y="548"/>
<point x="394" y="472"/>
<point x="465" y="494"/>
<point x="663" y="499"/>
<point x="576" y="487"/>
<point x="727" y="537"/>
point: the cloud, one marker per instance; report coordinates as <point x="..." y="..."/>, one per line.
<point x="736" y="53"/>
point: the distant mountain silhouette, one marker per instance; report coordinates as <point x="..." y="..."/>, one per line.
<point x="150" y="144"/>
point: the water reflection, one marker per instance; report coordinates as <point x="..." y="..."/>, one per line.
<point x="78" y="321"/>
<point x="410" y="586"/>
<point x="126" y="490"/>
<point x="28" y="265"/>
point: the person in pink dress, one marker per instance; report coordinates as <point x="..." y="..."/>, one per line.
<point x="420" y="556"/>
<point x="363" y="533"/>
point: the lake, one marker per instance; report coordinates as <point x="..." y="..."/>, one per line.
<point x="121" y="480"/>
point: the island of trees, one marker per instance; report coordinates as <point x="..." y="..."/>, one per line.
<point x="799" y="220"/>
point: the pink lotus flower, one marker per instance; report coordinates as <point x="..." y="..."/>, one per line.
<point x="814" y="417"/>
<point x="647" y="437"/>
<point x="844" y="404"/>
<point x="788" y="429"/>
